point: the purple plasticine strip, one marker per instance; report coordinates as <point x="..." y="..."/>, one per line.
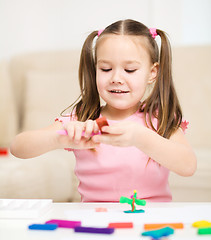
<point x="94" y="230"/>
<point x="65" y="223"/>
<point x="64" y="133"/>
<point x="43" y="226"/>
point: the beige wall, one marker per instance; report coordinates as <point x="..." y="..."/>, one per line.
<point x="191" y="68"/>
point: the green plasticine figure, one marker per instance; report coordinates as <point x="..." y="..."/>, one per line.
<point x="132" y="201"/>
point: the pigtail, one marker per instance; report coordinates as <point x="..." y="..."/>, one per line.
<point x="88" y="107"/>
<point x="163" y="102"/>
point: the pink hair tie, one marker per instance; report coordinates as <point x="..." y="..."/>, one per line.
<point x="153" y="32"/>
<point x="99" y="32"/>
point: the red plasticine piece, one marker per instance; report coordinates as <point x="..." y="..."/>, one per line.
<point x="101" y="122"/>
<point x="120" y="225"/>
<point x="4" y="151"/>
<point x="100" y="209"/>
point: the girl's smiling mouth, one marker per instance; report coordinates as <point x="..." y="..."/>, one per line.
<point x="118" y="91"/>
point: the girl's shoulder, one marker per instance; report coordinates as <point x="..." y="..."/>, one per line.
<point x="139" y="116"/>
<point x="146" y="120"/>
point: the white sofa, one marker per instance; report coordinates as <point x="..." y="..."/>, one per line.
<point x="36" y="87"/>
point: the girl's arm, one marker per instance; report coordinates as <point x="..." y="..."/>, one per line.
<point x="175" y="153"/>
<point x="31" y="144"/>
<point x="37" y="142"/>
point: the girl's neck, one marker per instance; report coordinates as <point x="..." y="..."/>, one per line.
<point x="118" y="114"/>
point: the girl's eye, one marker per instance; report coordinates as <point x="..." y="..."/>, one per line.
<point x="106" y="69"/>
<point x="130" y="70"/>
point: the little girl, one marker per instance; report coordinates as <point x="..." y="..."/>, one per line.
<point x="145" y="137"/>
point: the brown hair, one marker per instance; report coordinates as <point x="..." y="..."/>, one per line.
<point x="162" y="103"/>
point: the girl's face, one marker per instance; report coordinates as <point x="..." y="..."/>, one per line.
<point x="123" y="71"/>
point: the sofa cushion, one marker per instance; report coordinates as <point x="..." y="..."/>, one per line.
<point x="47" y="94"/>
<point x="60" y="61"/>
<point x="197" y="187"/>
<point x="8" y="119"/>
<point x="47" y="176"/>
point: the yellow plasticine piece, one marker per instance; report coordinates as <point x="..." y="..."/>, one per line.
<point x="201" y="224"/>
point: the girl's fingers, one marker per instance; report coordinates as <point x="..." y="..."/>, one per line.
<point x="112" y="130"/>
<point x="90" y="144"/>
<point x="104" y="138"/>
<point x="89" y="128"/>
<point x="78" y="132"/>
<point x="96" y="127"/>
<point x="71" y="130"/>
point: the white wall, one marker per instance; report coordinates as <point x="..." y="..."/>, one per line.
<point x="31" y="25"/>
<point x="196" y="15"/>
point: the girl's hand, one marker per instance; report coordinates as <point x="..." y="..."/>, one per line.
<point x="79" y="134"/>
<point x="121" y="134"/>
<point x="76" y="130"/>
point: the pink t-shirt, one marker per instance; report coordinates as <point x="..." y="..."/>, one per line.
<point x="110" y="172"/>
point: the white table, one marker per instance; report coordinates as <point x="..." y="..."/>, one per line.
<point x="12" y="229"/>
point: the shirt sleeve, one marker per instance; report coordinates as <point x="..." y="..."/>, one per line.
<point x="184" y="125"/>
<point x="63" y="119"/>
<point x="66" y="118"/>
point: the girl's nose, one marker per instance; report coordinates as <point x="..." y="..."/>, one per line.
<point x="117" y="78"/>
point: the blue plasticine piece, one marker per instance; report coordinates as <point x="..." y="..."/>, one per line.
<point x="156" y="234"/>
<point x="136" y="211"/>
<point x="43" y="226"/>
<point x="94" y="230"/>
